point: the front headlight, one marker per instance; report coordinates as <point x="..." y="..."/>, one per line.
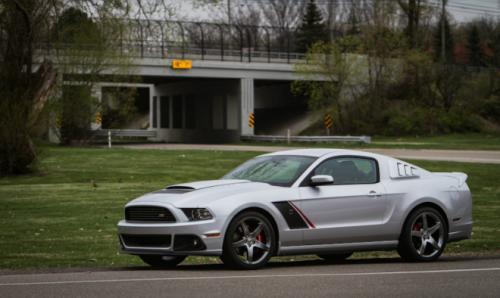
<point x="194" y="214"/>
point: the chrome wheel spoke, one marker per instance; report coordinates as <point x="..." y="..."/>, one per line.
<point x="416" y="233"/>
<point x="434" y="228"/>
<point x="250" y="253"/>
<point x="434" y="244"/>
<point x="244" y="226"/>
<point x="261" y="245"/>
<point x="424" y="221"/>
<point x="423" y="245"/>
<point x="257" y="230"/>
<point x="239" y="243"/>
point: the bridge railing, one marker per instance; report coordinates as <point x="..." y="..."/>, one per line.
<point x="154" y="50"/>
<point x="195" y="40"/>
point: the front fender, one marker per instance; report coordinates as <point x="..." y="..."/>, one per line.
<point x="271" y="210"/>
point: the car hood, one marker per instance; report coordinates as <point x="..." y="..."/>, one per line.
<point x="200" y="193"/>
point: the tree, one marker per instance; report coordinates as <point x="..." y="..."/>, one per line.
<point x="27" y="83"/>
<point x="338" y="70"/>
<point x="474" y="51"/>
<point x="83" y="48"/>
<point x="353" y="21"/>
<point x="413" y="10"/>
<point x="312" y="29"/>
<point x="449" y="42"/>
<point x="23" y="91"/>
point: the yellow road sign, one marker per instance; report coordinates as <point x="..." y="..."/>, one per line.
<point x="251" y="120"/>
<point x="182" y="64"/>
<point x="328" y="121"/>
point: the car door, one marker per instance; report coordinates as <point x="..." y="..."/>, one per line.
<point x="349" y="210"/>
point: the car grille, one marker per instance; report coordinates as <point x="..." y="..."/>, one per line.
<point x="146" y="240"/>
<point x="148" y="213"/>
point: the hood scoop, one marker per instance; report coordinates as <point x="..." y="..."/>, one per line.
<point x="192" y="186"/>
<point x="176" y="189"/>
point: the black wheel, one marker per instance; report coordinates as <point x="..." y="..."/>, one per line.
<point x="335" y="257"/>
<point x="249" y="242"/>
<point x="157" y="261"/>
<point x="424" y="235"/>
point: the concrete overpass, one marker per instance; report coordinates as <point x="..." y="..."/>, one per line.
<point x="226" y="84"/>
<point x="220" y="95"/>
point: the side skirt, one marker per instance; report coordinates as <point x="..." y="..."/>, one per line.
<point x="340" y="247"/>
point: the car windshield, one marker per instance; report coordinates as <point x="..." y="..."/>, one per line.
<point x="279" y="170"/>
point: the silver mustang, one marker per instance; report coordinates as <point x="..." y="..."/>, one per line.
<point x="313" y="201"/>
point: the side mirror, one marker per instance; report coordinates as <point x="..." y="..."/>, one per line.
<point x="318" y="180"/>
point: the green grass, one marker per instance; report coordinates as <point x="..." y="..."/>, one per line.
<point x="57" y="218"/>
<point x="452" y="141"/>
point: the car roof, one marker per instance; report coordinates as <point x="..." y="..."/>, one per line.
<point x="318" y="152"/>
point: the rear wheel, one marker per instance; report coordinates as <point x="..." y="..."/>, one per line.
<point x="335" y="257"/>
<point x="424" y="235"/>
<point x="249" y="242"/>
<point x="157" y="261"/>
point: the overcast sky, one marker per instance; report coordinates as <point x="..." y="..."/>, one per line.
<point x="462" y="10"/>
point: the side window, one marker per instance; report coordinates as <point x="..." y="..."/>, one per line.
<point x="349" y="170"/>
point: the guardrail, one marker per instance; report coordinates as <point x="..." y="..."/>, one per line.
<point x="309" y="139"/>
<point x="123" y="133"/>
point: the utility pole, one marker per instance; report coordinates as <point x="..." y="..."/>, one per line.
<point x="229" y="12"/>
<point x="330" y="19"/>
<point x="443" y="35"/>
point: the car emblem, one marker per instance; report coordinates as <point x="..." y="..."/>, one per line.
<point x="161" y="215"/>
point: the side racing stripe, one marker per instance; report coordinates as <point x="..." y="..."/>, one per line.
<point x="302" y="215"/>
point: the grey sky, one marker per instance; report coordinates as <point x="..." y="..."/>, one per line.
<point x="462" y="10"/>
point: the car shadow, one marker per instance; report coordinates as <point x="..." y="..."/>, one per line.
<point x="307" y="263"/>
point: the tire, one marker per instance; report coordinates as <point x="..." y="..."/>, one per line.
<point x="336" y="257"/>
<point x="157" y="261"/>
<point x="250" y="241"/>
<point x="424" y="236"/>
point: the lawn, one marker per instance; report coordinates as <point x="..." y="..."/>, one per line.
<point x="451" y="141"/>
<point x="66" y="214"/>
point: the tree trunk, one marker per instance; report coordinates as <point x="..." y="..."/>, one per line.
<point x="46" y="80"/>
<point x="19" y="115"/>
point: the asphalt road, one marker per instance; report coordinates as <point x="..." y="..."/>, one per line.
<point x="472" y="156"/>
<point x="449" y="277"/>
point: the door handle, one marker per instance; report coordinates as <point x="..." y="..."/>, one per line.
<point x="373" y="193"/>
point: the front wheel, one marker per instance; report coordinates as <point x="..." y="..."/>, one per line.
<point x="157" y="261"/>
<point x="249" y="242"/>
<point x="424" y="235"/>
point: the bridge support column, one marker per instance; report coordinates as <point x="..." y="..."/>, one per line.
<point x="246" y="105"/>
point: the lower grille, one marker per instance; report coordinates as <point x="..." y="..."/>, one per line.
<point x="188" y="242"/>
<point x="149" y="213"/>
<point x="146" y="240"/>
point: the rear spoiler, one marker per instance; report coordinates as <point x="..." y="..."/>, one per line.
<point x="459" y="176"/>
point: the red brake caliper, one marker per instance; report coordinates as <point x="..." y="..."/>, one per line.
<point x="416" y="227"/>
<point x="260" y="237"/>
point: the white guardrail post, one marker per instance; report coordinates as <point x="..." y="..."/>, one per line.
<point x="109" y="138"/>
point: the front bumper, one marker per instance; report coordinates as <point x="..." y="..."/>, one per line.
<point x="208" y="232"/>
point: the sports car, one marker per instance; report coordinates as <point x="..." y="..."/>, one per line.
<point x="327" y="202"/>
